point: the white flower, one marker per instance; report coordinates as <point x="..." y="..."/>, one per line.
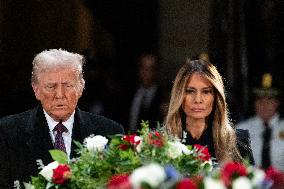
<point x="153" y="174"/>
<point x="47" y="171"/>
<point x="184" y="149"/>
<point x="258" y="177"/>
<point x="137" y="138"/>
<point x="95" y="143"/>
<point x="176" y="149"/>
<point x="210" y="183"/>
<point x="139" y="146"/>
<point x="242" y="182"/>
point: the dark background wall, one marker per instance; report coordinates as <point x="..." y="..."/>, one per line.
<point x="27" y="28"/>
<point x="241" y="37"/>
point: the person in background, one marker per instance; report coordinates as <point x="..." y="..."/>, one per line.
<point x="265" y="127"/>
<point x="147" y="100"/>
<point x="198" y="114"/>
<point x="58" y="83"/>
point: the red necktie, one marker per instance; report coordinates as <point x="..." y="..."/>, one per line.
<point x="59" y="142"/>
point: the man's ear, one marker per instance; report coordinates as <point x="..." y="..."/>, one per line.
<point x="80" y="92"/>
<point x="36" y="90"/>
<point x="80" y="88"/>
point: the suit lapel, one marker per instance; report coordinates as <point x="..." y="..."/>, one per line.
<point x="82" y="128"/>
<point x="77" y="132"/>
<point x="40" y="141"/>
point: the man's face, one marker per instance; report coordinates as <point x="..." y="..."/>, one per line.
<point x="147" y="71"/>
<point x="58" y="90"/>
<point x="266" y="107"/>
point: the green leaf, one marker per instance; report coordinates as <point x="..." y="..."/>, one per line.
<point x="59" y="156"/>
<point x="28" y="186"/>
<point x="39" y="182"/>
<point x="50" y="185"/>
<point x="78" y="144"/>
<point x="116" y="140"/>
<point x="207" y="167"/>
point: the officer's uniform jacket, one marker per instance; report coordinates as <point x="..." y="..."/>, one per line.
<point x="255" y="127"/>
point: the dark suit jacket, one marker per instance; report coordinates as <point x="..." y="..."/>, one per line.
<point x="25" y="137"/>
<point x="244" y="145"/>
<point x="153" y="113"/>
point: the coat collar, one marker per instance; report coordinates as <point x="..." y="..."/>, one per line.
<point x="39" y="139"/>
<point x="77" y="134"/>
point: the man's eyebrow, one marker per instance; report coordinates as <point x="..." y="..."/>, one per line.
<point x="50" y="82"/>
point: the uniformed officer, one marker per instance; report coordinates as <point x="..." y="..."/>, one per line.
<point x="265" y="127"/>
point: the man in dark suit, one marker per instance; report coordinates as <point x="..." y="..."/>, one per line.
<point x="58" y="83"/>
<point x="147" y="101"/>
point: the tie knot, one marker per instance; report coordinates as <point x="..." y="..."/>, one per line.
<point x="60" y="128"/>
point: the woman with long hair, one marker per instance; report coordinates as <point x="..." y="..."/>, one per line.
<point x="198" y="113"/>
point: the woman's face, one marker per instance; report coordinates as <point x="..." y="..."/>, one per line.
<point x="199" y="97"/>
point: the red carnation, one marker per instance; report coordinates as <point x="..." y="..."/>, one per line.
<point x="156" y="139"/>
<point x="204" y="152"/>
<point x="61" y="174"/>
<point x="131" y="139"/>
<point x="231" y="171"/>
<point x="276" y="176"/>
<point x="123" y="146"/>
<point x="186" y="183"/>
<point x="119" y="182"/>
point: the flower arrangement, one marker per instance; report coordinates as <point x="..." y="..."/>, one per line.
<point x="103" y="163"/>
<point x="232" y="175"/>
<point x="150" y="160"/>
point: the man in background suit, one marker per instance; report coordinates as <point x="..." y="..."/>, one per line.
<point x="147" y="101"/>
<point x="57" y="81"/>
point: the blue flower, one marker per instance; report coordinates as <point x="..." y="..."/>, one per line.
<point x="171" y="172"/>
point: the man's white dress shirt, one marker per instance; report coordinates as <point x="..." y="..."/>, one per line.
<point x="67" y="136"/>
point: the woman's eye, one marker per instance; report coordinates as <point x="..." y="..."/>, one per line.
<point x="189" y="91"/>
<point x="209" y="91"/>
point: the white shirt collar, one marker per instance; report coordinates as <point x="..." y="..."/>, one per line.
<point x="274" y="121"/>
<point x="52" y="123"/>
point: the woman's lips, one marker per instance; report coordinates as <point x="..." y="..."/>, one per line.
<point x="197" y="109"/>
